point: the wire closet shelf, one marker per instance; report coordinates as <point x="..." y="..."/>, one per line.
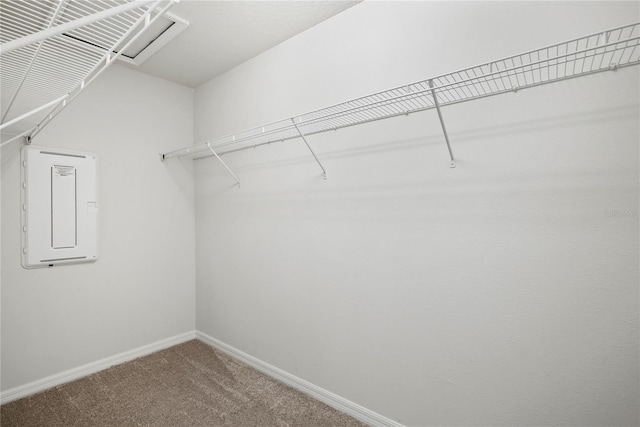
<point x="603" y="51"/>
<point x="51" y="50"/>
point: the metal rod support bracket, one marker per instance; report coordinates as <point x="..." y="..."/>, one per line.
<point x="224" y="164"/>
<point x="34" y="111"/>
<point x="324" y="172"/>
<point x="98" y="69"/>
<point x="452" y="164"/>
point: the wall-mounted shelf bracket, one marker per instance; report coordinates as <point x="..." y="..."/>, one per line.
<point x="18" y="136"/>
<point x="224" y="164"/>
<point x="452" y="164"/>
<point x="58" y="57"/>
<point x="56" y="14"/>
<point x="324" y="172"/>
<point x="34" y="111"/>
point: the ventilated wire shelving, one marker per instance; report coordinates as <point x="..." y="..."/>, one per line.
<point x="52" y="49"/>
<point x="603" y="51"/>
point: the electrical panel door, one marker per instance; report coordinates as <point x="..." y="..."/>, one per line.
<point x="59" y="207"/>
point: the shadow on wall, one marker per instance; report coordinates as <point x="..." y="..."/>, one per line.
<point x="181" y="170"/>
<point x="459" y="137"/>
<point x="515" y="193"/>
<point x="436" y="202"/>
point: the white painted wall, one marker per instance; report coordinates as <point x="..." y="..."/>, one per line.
<point x="502" y="292"/>
<point x="142" y="289"/>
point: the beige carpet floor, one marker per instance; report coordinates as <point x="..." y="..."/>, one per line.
<point x="191" y="384"/>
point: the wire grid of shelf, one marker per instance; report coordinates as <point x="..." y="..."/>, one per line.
<point x="60" y="66"/>
<point x="603" y="51"/>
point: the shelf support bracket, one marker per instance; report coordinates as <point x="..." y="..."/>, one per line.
<point x="324" y="172"/>
<point x="224" y="164"/>
<point x="34" y="111"/>
<point x="452" y="164"/>
<point x="108" y="58"/>
<point x="18" y="136"/>
<point x="54" y="18"/>
<point x="68" y="26"/>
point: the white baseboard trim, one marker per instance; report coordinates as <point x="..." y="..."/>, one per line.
<point x="340" y="403"/>
<point x="92" y="368"/>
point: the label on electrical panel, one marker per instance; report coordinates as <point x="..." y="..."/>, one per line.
<point x="64" y="171"/>
<point x="92" y="207"/>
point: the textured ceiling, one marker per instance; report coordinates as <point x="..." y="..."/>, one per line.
<point x="223" y="34"/>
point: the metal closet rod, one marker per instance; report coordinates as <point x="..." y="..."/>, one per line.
<point x="509" y="74"/>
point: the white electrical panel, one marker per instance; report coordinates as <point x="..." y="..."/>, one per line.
<point x="59" y="207"/>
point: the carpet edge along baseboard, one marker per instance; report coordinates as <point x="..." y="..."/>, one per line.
<point x="338" y="402"/>
<point x="50" y="381"/>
